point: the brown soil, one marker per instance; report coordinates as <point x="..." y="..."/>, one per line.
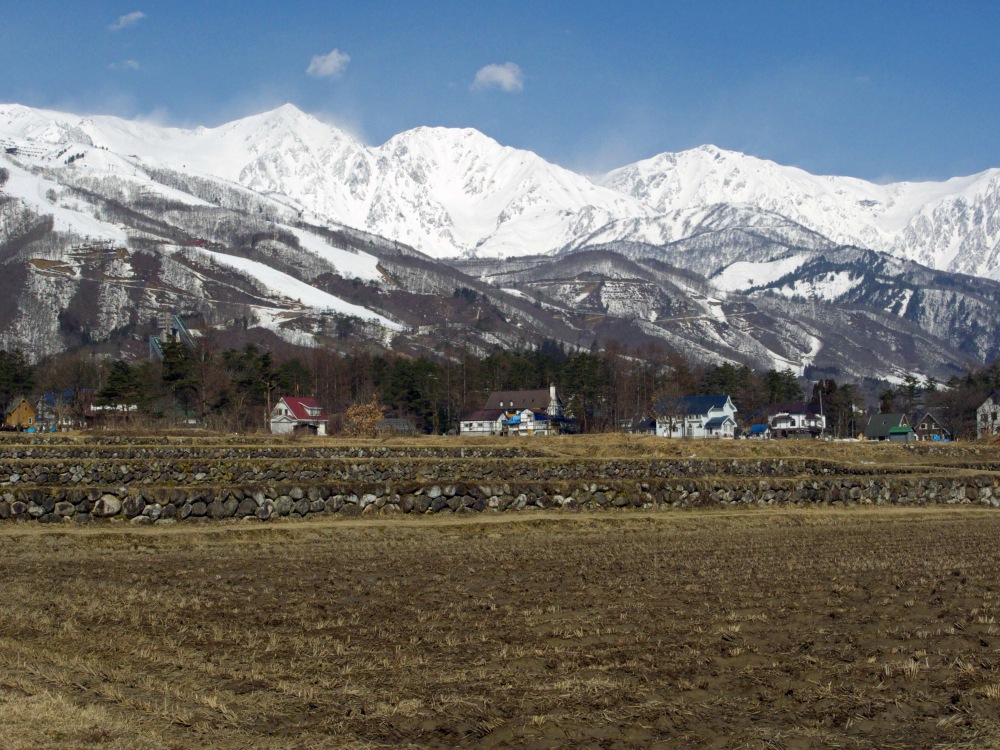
<point x="867" y="628"/>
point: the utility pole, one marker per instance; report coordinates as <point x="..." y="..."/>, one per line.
<point x="823" y="428"/>
<point x="268" y="386"/>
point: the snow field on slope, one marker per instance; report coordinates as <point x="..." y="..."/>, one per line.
<point x="289" y="287"/>
<point x="350" y="265"/>
<point x="830" y="287"/>
<point x="744" y="275"/>
<point x="32" y="189"/>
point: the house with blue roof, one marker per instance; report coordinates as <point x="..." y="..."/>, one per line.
<point x="696" y="417"/>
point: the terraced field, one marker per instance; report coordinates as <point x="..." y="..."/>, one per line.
<point x="164" y="481"/>
<point x="648" y="594"/>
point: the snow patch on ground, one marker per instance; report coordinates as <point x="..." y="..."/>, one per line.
<point x="745" y="275"/>
<point x="516" y="293"/>
<point x="799" y="368"/>
<point x="898" y="307"/>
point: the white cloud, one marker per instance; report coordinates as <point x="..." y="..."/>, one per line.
<point x="129" y="19"/>
<point x="328" y="66"/>
<point x="125" y="65"/>
<point x="507" y="77"/>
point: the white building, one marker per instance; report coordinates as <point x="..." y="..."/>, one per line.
<point x="696" y="417"/>
<point x="528" y="422"/>
<point x="796" y="419"/>
<point x="292" y="414"/>
<point x="988" y="416"/>
<point x="482" y="422"/>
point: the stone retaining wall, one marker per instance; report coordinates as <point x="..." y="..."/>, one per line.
<point x="164" y="480"/>
<point x="218" y="452"/>
<point x="165" y="505"/>
<point x="182" y="470"/>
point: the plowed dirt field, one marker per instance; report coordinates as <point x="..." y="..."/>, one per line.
<point x="861" y="628"/>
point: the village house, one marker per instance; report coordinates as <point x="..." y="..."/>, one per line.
<point x="109" y="416"/>
<point x="795" y="419"/>
<point x="293" y="414"/>
<point x="988" y="416"/>
<point x="530" y="422"/>
<point x="927" y="426"/>
<point x="880" y="426"/>
<point x="535" y="412"/>
<point x="541" y="400"/>
<point x="64" y="410"/>
<point x="697" y="417"/>
<point x="19" y="415"/>
<point x="482" y="422"/>
<point x="641" y="426"/>
<point x="902" y="434"/>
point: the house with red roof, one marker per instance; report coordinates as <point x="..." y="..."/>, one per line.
<point x="293" y="414"/>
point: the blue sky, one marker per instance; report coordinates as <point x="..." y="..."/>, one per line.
<point x="892" y="90"/>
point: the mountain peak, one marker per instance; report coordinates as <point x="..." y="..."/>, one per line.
<point x="287" y="111"/>
<point x="286" y="114"/>
<point x="445" y="136"/>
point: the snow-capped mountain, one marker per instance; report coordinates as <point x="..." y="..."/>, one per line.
<point x="444" y="191"/>
<point x="284" y="222"/>
<point x="951" y="226"/>
<point x="451" y="192"/>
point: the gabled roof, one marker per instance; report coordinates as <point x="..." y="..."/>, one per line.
<point x="299" y="408"/>
<point x="643" y="423"/>
<point x="51" y="398"/>
<point x="922" y="416"/>
<point x="482" y="415"/>
<point x="521" y="399"/>
<point x="995" y="395"/>
<point x="15" y="403"/>
<point x="718" y="421"/>
<point x="689" y="404"/>
<point x="880" y="424"/>
<point x="792" y="407"/>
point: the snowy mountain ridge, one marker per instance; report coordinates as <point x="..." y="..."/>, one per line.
<point x="952" y="225"/>
<point x="445" y="191"/>
<point x="456" y="192"/>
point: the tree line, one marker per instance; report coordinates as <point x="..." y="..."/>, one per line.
<point x="232" y="389"/>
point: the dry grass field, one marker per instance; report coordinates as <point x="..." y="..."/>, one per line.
<point x="776" y="628"/>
